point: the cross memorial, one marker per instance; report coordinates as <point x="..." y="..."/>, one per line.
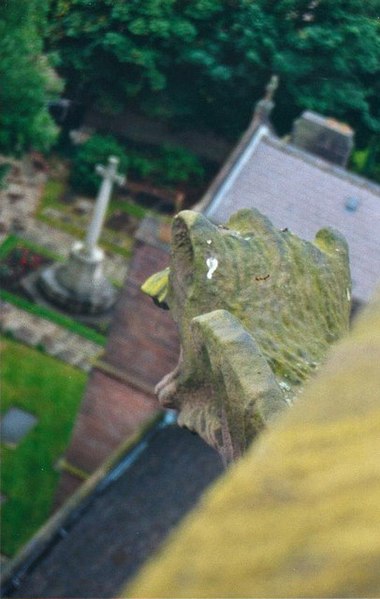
<point x="79" y="285"/>
<point x="110" y="176"/>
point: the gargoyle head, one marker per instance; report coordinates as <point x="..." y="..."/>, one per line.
<point x="257" y="309"/>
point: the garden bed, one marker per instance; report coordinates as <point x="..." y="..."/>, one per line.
<point x="17" y="263"/>
<point x="18" y="259"/>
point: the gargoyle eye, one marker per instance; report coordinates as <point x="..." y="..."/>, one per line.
<point x="162" y="305"/>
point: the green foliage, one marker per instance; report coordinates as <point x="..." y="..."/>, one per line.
<point x="169" y="165"/>
<point x="51" y="390"/>
<point x="52" y="194"/>
<point x="141" y="166"/>
<point x="128" y="207"/>
<point x="366" y="162"/>
<point x="94" y="151"/>
<point x="206" y="62"/>
<point x="4" y="170"/>
<point x="13" y="241"/>
<point x="178" y="164"/>
<point x="27" y="80"/>
<point x="8" y="244"/>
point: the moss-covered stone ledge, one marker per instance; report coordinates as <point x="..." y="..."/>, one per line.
<point x="299" y="515"/>
<point x="257" y="309"/>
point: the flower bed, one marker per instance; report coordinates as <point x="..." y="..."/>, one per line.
<point x="18" y="263"/>
<point x="17" y="260"/>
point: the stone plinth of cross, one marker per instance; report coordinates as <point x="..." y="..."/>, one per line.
<point x="110" y="176"/>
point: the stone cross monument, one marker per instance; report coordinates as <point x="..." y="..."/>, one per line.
<point x="79" y="286"/>
<point x="110" y="177"/>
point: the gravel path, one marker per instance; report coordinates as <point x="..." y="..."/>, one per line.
<point x="18" y="204"/>
<point x="55" y="340"/>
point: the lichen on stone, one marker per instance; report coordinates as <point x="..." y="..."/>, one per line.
<point x="257" y="309"/>
<point x="299" y="515"/>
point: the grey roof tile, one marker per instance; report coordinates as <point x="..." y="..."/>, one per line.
<point x="125" y="522"/>
<point x="305" y="193"/>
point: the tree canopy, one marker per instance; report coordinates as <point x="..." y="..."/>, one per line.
<point x="207" y="61"/>
<point x="26" y="78"/>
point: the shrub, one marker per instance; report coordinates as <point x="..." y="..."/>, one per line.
<point x="4" y="170"/>
<point x="179" y="165"/>
<point x="366" y="162"/>
<point x="141" y="167"/>
<point x="94" y="151"/>
<point x="168" y="165"/>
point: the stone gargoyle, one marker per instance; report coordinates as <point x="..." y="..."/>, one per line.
<point x="257" y="309"/>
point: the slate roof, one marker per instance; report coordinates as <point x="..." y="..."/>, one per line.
<point x="110" y="534"/>
<point x="304" y="193"/>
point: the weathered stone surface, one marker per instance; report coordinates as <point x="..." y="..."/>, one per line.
<point x="257" y="309"/>
<point x="299" y="515"/>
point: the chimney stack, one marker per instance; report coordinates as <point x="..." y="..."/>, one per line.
<point x="324" y="137"/>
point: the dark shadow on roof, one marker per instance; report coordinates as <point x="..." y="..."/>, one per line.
<point x="126" y="520"/>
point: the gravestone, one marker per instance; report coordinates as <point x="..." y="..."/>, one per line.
<point x="15" y="424"/>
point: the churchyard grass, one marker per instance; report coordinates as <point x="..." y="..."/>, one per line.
<point x="51" y="195"/>
<point x="79" y="233"/>
<point x="69" y="222"/>
<point x="65" y="321"/>
<point x="13" y="241"/>
<point x="50" y="390"/>
<point x="8" y="245"/>
<point x="127" y="207"/>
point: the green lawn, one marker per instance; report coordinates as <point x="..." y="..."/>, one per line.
<point x="52" y="391"/>
<point x="51" y="195"/>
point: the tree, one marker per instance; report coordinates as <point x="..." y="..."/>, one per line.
<point x="169" y="165"/>
<point x="328" y="56"/>
<point x="206" y="62"/>
<point x="27" y="80"/>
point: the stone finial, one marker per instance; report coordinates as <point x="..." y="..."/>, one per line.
<point x="265" y="106"/>
<point x="271" y="88"/>
<point x="257" y="309"/>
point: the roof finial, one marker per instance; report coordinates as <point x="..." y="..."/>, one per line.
<point x="265" y="106"/>
<point x="271" y="88"/>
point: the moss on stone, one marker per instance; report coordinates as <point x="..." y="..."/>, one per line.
<point x="299" y="515"/>
<point x="289" y="299"/>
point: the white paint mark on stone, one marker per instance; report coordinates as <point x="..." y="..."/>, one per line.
<point x="209" y="241"/>
<point x="212" y="264"/>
